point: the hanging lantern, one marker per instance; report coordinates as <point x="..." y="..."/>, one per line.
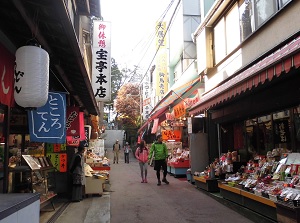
<point x="31" y="77"/>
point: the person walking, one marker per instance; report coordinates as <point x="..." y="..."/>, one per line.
<point x="160" y="158"/>
<point x="116" y="150"/>
<point x="142" y="154"/>
<point x="78" y="176"/>
<point x="126" y="152"/>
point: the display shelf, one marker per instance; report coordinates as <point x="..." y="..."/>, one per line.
<point x="259" y="204"/>
<point x="47" y="199"/>
<point x="287" y="213"/>
<point x="101" y="168"/>
<point x="178" y="168"/>
<point x="210" y="185"/>
<point x="18" y="207"/>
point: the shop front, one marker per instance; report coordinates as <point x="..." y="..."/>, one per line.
<point x="253" y="123"/>
<point x="39" y="70"/>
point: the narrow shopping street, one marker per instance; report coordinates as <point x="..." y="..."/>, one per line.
<point x="180" y="201"/>
<point x="129" y="200"/>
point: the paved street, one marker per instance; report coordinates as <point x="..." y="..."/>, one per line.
<point x="180" y="201"/>
<point x="135" y="202"/>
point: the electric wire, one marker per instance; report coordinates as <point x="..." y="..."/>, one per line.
<point x="149" y="43"/>
<point x="168" y="27"/>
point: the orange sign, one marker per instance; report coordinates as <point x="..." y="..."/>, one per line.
<point x="171" y="135"/>
<point x="179" y="110"/>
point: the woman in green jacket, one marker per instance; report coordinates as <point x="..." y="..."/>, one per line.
<point x="160" y="156"/>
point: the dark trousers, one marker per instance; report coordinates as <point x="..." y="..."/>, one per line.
<point x="126" y="157"/>
<point x="158" y="165"/>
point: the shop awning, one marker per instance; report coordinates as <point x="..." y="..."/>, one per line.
<point x="174" y="94"/>
<point x="277" y="63"/>
<point x="160" y="109"/>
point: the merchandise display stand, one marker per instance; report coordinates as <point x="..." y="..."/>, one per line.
<point x="287" y="213"/>
<point x="99" y="168"/>
<point x="94" y="186"/>
<point x="18" y="207"/>
<point x="259" y="204"/>
<point x="179" y="168"/>
<point x="210" y="185"/>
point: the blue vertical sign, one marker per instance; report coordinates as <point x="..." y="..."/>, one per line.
<point x="48" y="123"/>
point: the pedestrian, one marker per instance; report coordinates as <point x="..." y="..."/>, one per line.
<point x="78" y="174"/>
<point x="160" y="158"/>
<point x="126" y="152"/>
<point x="116" y="150"/>
<point x="142" y="154"/>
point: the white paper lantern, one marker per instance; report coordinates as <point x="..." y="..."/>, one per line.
<point x="31" y="77"/>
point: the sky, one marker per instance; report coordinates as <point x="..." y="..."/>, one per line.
<point x="132" y="28"/>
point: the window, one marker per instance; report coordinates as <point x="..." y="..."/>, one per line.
<point x="247" y="25"/>
<point x="264" y="10"/>
<point x="219" y="41"/>
<point x="227" y="34"/>
<point x="254" y="13"/>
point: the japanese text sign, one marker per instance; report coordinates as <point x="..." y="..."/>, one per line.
<point x="161" y="60"/>
<point x="171" y="135"/>
<point x="7" y="63"/>
<point x="72" y="121"/>
<point x="146" y="98"/>
<point x="101" y="60"/>
<point x="48" y="123"/>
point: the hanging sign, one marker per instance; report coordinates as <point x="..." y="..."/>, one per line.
<point x="72" y="121"/>
<point x="179" y="110"/>
<point x="54" y="158"/>
<point x="171" y="135"/>
<point x="101" y="60"/>
<point x="48" y="123"/>
<point x="7" y="77"/>
<point x="73" y="141"/>
<point x="87" y="133"/>
<point x="155" y="126"/>
<point x="63" y="162"/>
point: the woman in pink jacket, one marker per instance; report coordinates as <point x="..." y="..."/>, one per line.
<point x="141" y="154"/>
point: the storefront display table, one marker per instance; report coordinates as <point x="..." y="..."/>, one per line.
<point x="210" y="185"/>
<point x="287" y="212"/>
<point x="101" y="168"/>
<point x="20" y="208"/>
<point x="179" y="168"/>
<point x="259" y="204"/>
<point x="94" y="185"/>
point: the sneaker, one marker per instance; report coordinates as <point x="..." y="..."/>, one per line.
<point x="145" y="181"/>
<point x="158" y="183"/>
<point x="142" y="181"/>
<point x="165" y="181"/>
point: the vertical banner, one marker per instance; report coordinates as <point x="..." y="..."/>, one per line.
<point x="81" y="126"/>
<point x="63" y="162"/>
<point x="54" y="158"/>
<point x="7" y="63"/>
<point x="101" y="68"/>
<point x="161" y="60"/>
<point x="155" y="126"/>
<point x="72" y="121"/>
<point x="48" y="123"/>
<point x="87" y="135"/>
<point x="179" y="109"/>
<point x="146" y="98"/>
